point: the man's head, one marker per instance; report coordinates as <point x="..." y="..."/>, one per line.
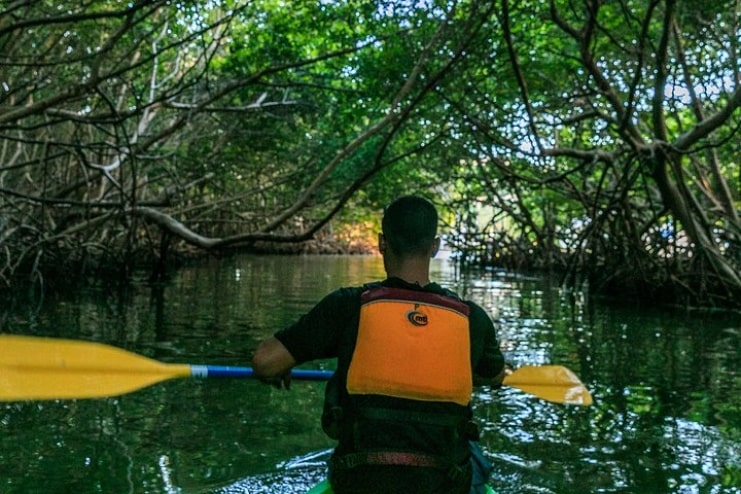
<point x="410" y="227"/>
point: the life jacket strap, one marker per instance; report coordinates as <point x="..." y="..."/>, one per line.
<point x="398" y="458"/>
<point x="456" y="473"/>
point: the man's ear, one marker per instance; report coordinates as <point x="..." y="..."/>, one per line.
<point x="435" y="247"/>
<point x="381" y="243"/>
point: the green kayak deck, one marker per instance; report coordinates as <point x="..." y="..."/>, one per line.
<point x="323" y="487"/>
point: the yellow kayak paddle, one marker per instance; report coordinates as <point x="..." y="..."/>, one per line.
<point x="35" y="368"/>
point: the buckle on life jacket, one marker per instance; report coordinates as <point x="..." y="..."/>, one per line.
<point x="332" y="421"/>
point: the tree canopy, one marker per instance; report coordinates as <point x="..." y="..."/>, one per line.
<point x="596" y="139"/>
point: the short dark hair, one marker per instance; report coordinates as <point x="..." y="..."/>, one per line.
<point x="410" y="225"/>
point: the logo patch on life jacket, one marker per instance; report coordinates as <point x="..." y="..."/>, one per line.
<point x="417" y="318"/>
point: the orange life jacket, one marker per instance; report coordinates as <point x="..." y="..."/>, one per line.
<point x="412" y="345"/>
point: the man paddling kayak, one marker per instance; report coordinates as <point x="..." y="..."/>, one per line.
<point x="408" y="352"/>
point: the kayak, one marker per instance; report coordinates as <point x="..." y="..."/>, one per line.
<point x="323" y="487"/>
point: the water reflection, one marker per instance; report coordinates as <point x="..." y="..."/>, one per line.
<point x="666" y="417"/>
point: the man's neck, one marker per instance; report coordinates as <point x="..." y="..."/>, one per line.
<point x="412" y="270"/>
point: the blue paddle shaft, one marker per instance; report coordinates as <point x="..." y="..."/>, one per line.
<point x="203" y="371"/>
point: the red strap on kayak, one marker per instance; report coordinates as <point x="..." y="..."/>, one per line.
<point x="398" y="458"/>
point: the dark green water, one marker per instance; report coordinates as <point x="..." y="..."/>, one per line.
<point x="666" y="418"/>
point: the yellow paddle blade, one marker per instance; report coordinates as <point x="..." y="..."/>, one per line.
<point x="550" y="382"/>
<point x="33" y="368"/>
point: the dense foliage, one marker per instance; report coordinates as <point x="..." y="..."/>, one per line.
<point x="596" y="139"/>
